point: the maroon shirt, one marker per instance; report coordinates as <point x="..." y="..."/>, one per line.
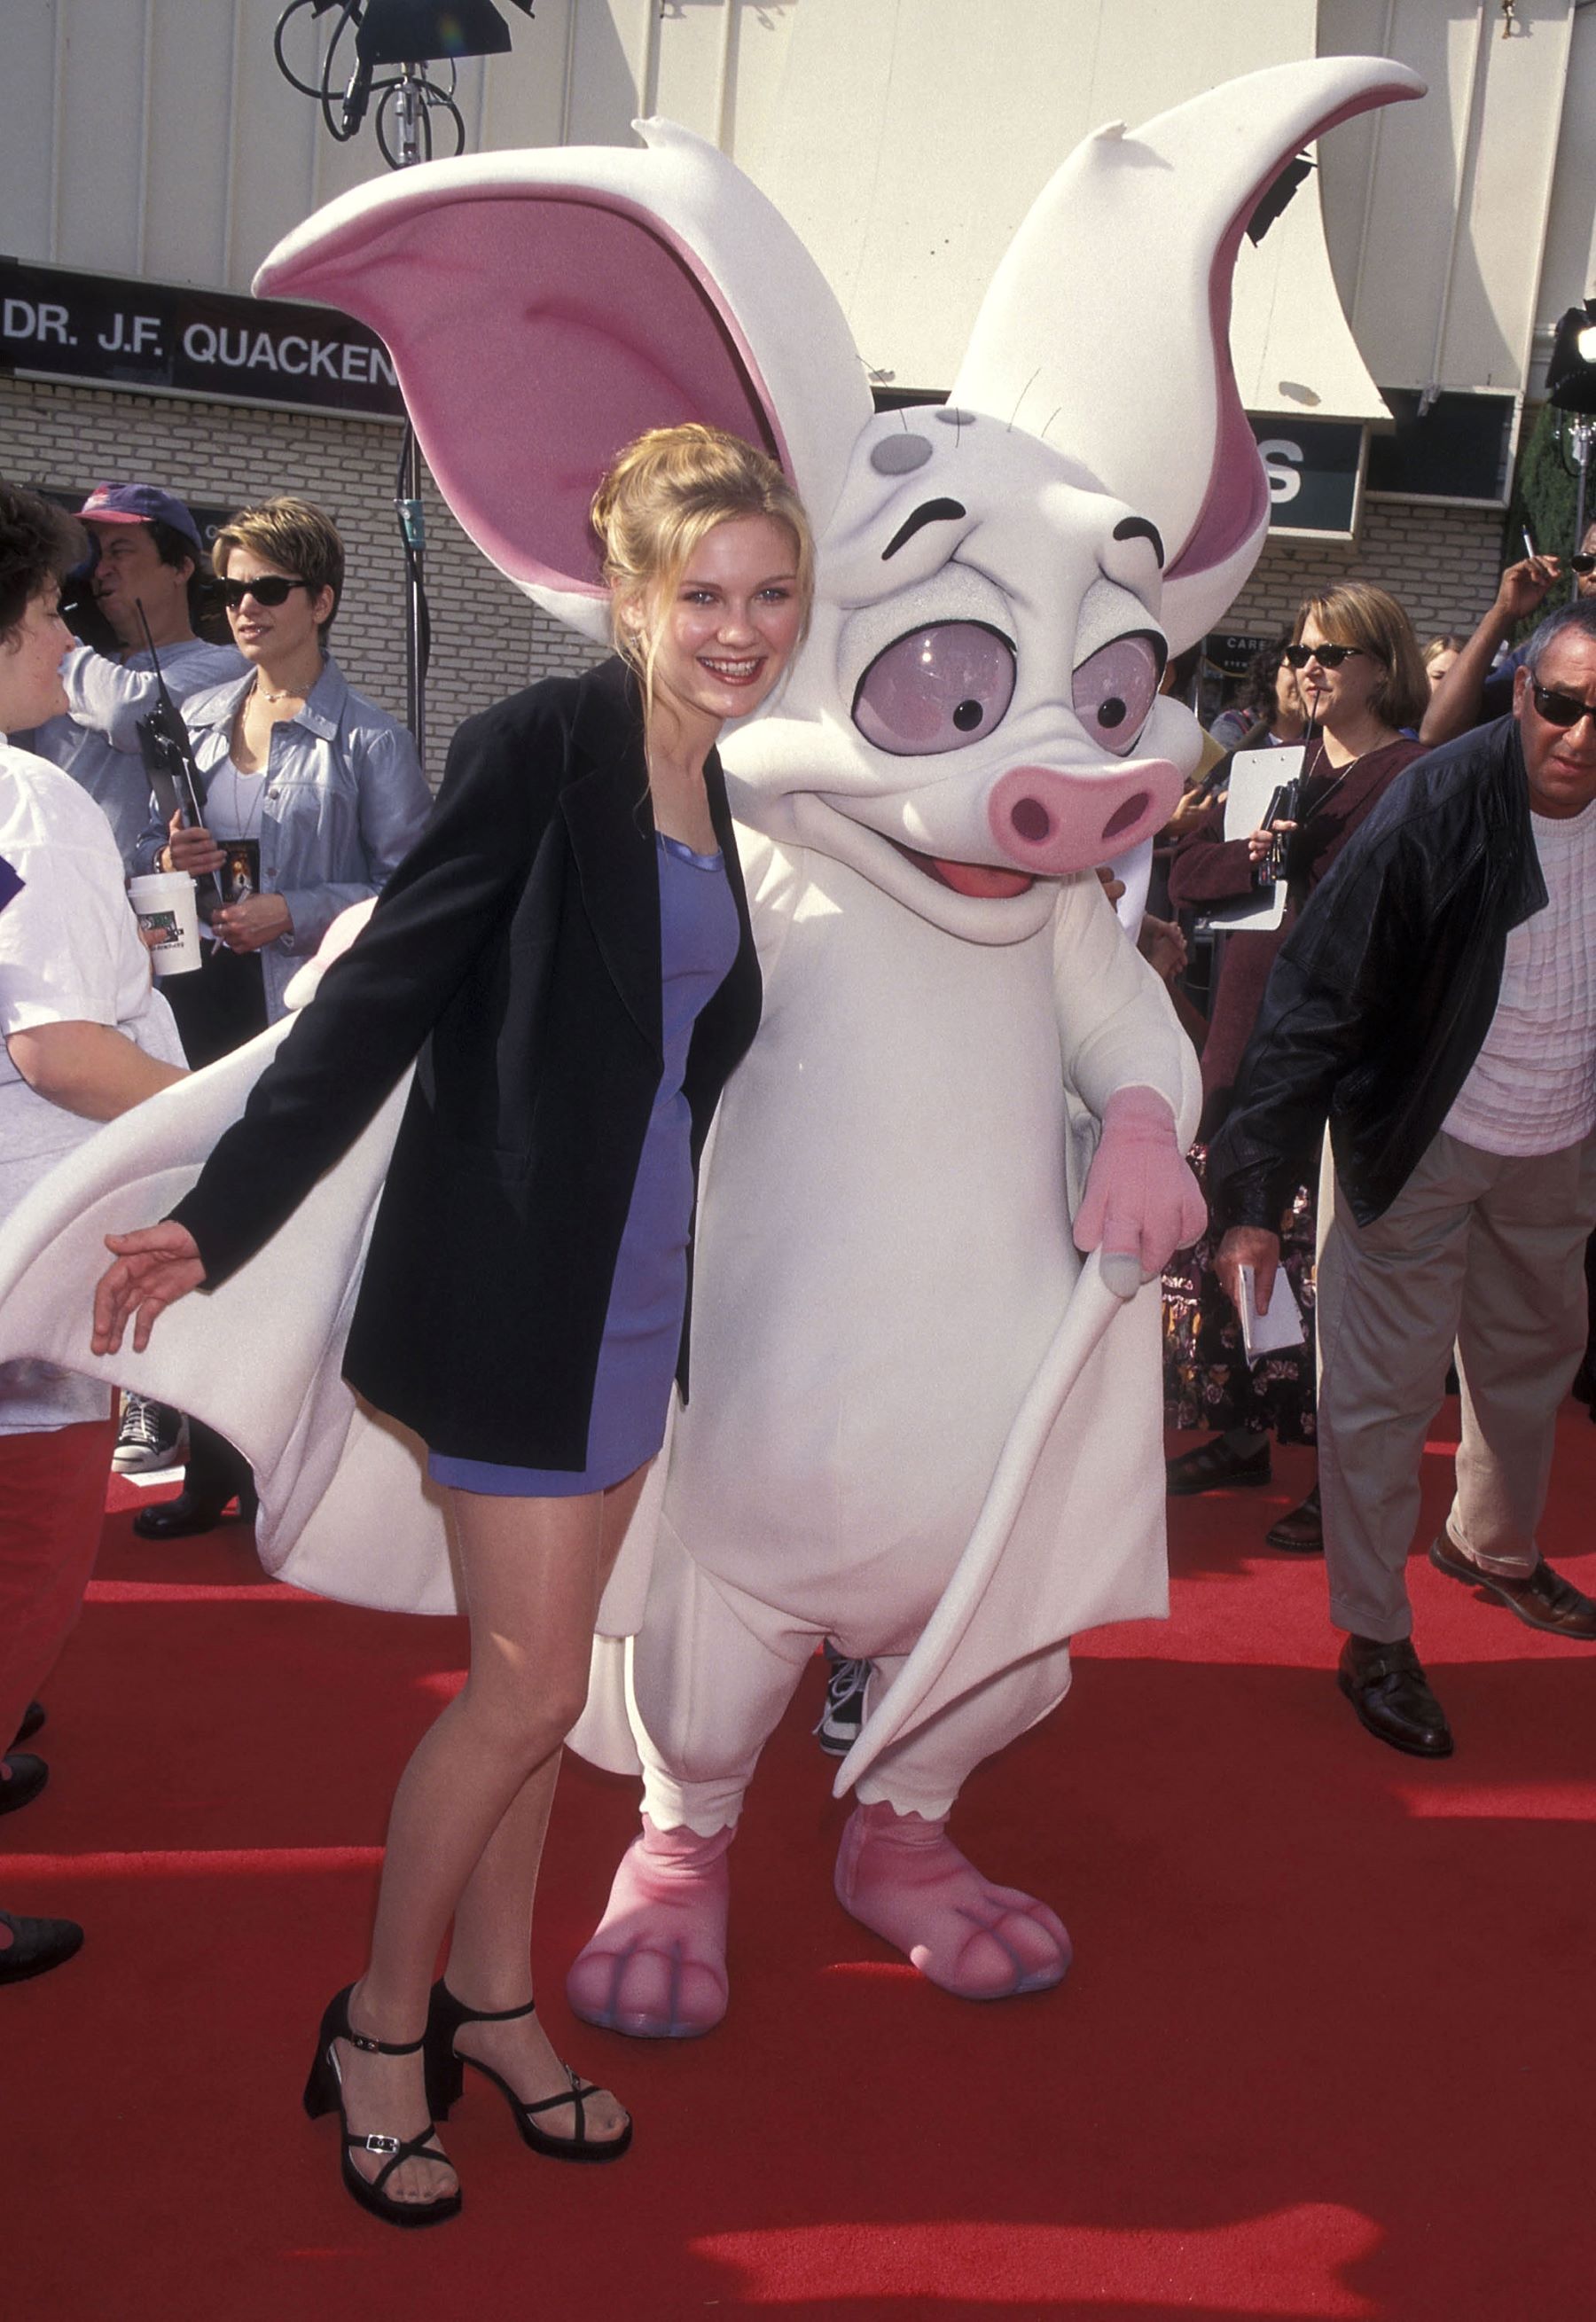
<point x="1207" y="869"/>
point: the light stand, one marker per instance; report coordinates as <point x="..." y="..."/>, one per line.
<point x="407" y="35"/>
<point x="1571" y="391"/>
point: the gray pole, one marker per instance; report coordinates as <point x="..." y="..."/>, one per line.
<point x="407" y="104"/>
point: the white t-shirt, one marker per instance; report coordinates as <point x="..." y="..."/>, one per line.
<point x="1532" y="1088"/>
<point x="70" y="953"/>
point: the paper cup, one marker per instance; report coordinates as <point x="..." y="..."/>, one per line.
<point x="169" y="919"/>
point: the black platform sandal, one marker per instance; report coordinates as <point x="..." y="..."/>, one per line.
<point x="446" y="2082"/>
<point x="324" y="2093"/>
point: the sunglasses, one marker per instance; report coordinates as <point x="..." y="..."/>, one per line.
<point x="1327" y="657"/>
<point x="1560" y="708"/>
<point x="1585" y="562"/>
<point x="270" y="588"/>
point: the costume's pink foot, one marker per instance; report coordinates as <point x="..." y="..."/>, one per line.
<point x="655" y="1966"/>
<point x="904" y="1878"/>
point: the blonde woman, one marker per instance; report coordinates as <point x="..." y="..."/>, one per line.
<point x="569" y="948"/>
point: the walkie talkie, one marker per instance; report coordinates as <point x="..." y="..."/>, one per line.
<point x="169" y="761"/>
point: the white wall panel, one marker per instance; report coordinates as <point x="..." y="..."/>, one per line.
<point x="1435" y="216"/>
<point x="910" y="139"/>
<point x="27" y="147"/>
<point x="100" y="135"/>
<point x="189" y="156"/>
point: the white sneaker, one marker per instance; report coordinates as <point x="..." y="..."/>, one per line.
<point x="844" y="1713"/>
<point x="151" y="1437"/>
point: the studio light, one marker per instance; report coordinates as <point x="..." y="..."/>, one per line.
<point x="1571" y="391"/>
<point x="421" y="32"/>
<point x="394" y="43"/>
<point x="1571" y="374"/>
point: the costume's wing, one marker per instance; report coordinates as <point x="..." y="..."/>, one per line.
<point x="342" y="1508"/>
<point x="1081" y="1484"/>
<point x="1070" y="1535"/>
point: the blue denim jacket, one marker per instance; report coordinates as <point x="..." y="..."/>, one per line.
<point x="346" y="800"/>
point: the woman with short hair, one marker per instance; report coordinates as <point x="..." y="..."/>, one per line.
<point x="313" y="795"/>
<point x="1362" y="682"/>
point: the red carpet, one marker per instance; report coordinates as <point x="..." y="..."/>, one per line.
<point x="1325" y="2050"/>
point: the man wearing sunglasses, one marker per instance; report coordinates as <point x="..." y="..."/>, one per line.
<point x="1477" y="687"/>
<point x="1436" y="1003"/>
<point x="147" y="551"/>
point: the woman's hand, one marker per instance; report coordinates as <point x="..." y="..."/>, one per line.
<point x="1163" y="947"/>
<point x="190" y="848"/>
<point x="1189" y="810"/>
<point x="1259" y="841"/>
<point x="252" y="922"/>
<point x="152" y="1267"/>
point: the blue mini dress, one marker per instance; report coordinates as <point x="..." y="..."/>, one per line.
<point x="698" y="941"/>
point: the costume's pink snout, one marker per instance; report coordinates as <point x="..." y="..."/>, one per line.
<point x="1056" y="823"/>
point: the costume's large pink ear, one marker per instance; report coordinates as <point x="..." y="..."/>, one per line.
<point x="543" y="308"/>
<point x="1106" y="328"/>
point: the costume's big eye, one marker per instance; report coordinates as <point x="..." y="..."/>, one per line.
<point x="1114" y="688"/>
<point x="940" y="688"/>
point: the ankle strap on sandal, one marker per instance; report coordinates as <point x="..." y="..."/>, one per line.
<point x="378" y="2047"/>
<point x="489" y="2014"/>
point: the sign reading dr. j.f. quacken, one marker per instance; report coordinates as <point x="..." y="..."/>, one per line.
<point x="56" y="324"/>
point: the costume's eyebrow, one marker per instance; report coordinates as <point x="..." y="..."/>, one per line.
<point x="1136" y="528"/>
<point x="927" y="512"/>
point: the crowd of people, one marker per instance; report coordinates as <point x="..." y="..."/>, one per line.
<point x="1400" y="951"/>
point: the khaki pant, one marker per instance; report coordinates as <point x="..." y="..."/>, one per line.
<point x="1480" y="1248"/>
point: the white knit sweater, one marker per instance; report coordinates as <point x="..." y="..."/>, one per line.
<point x="1533" y="1085"/>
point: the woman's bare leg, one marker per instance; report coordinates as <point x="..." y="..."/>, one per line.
<point x="530" y="1574"/>
<point x="489" y="1961"/>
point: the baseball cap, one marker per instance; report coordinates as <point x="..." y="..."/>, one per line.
<point x="141" y="504"/>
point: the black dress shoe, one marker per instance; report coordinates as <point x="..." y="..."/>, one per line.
<point x="1213" y="1467"/>
<point x="1387" y="1686"/>
<point x="190" y="1511"/>
<point x="1542" y="1600"/>
<point x="32" y="1719"/>
<point x="36" y="1946"/>
<point x="25" y="1777"/>
<point x="1300" y="1531"/>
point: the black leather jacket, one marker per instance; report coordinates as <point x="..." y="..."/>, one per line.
<point x="1385" y="988"/>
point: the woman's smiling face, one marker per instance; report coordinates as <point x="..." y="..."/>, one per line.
<point x="732" y="621"/>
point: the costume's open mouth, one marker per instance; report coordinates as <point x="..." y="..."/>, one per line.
<point x="983" y="878"/>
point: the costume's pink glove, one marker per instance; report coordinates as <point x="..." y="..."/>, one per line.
<point x="1141" y="1201"/>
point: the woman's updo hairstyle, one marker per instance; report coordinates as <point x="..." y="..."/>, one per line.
<point x="663" y="496"/>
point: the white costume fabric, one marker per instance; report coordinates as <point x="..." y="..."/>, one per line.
<point x="918" y="1423"/>
<point x="69" y="953"/>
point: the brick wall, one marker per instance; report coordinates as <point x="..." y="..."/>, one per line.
<point x="487" y="639"/>
<point x="1441" y="564"/>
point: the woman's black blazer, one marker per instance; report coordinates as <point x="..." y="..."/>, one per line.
<point x="516" y="949"/>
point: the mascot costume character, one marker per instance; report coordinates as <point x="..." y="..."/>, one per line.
<point x="920" y="1424"/>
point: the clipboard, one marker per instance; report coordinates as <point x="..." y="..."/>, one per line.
<point x="1255" y="776"/>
